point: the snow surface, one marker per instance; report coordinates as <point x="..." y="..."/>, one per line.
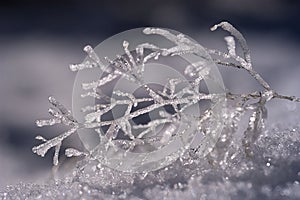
<point x="272" y="173"/>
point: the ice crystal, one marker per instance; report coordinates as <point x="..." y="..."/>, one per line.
<point x="126" y="152"/>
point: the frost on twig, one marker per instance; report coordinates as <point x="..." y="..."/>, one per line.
<point x="61" y="115"/>
<point x="244" y="102"/>
<point x="121" y="133"/>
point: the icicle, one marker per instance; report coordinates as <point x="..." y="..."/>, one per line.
<point x="125" y="94"/>
<point x="94" y="115"/>
<point x="254" y="129"/>
<point x="164" y="114"/>
<point x="86" y="65"/>
<point x="152" y="123"/>
<point x="100" y="82"/>
<point x="40" y="138"/>
<point x="173" y="83"/>
<point x="230" y="45"/>
<point x="126" y="127"/>
<point x="91" y="94"/>
<point x="140" y="48"/>
<point x="131" y="59"/>
<point x="167" y="134"/>
<point x="92" y="54"/>
<point x="150" y="127"/>
<point x="140" y="54"/>
<point x="153" y="94"/>
<point x="47" y="122"/>
<point x="197" y="68"/>
<point x="71" y="152"/>
<point x="121" y="69"/>
<point x="155" y="55"/>
<point x="56" y="154"/>
<point x="268" y="95"/>
<point x="93" y="108"/>
<point x="228" y="27"/>
<point x="64" y="111"/>
<point x="112" y="131"/>
<point x="165" y="33"/>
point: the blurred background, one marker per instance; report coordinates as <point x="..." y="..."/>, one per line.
<point x="39" y="39"/>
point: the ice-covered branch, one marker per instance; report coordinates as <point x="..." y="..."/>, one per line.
<point x="241" y="64"/>
<point x="56" y="142"/>
<point x="61" y="115"/>
<point x="193" y="99"/>
<point x="120" y="132"/>
<point x="245" y="62"/>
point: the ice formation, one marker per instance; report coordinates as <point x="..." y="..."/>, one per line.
<point x="201" y="170"/>
<point x="121" y="138"/>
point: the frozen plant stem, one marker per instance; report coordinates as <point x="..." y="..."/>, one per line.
<point x="245" y="62"/>
<point x="131" y="68"/>
<point x="256" y="121"/>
